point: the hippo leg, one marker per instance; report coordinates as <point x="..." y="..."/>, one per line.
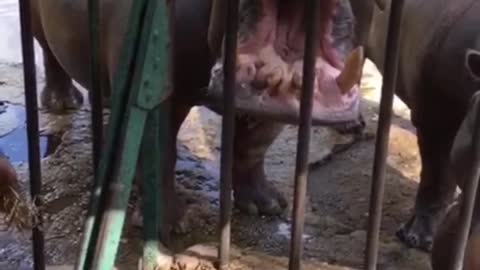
<point x="175" y="206"/>
<point x="436" y="189"/>
<point x="59" y="93"/>
<point x="174" y="221"/>
<point x="252" y="192"/>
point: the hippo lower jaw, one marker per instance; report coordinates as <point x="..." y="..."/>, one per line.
<point x="252" y="102"/>
<point x="269" y="69"/>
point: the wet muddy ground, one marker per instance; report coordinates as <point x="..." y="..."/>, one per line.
<point x="337" y="210"/>
<point x="339" y="183"/>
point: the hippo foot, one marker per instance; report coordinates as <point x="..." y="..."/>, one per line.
<point x="418" y="232"/>
<point x="259" y="198"/>
<point x="176" y="223"/>
<point x="59" y="100"/>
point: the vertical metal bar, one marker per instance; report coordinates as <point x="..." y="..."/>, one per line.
<point x="95" y="91"/>
<point x="157" y="140"/>
<point x="301" y="169"/>
<point x="468" y="201"/>
<point x="154" y="159"/>
<point x="228" y="131"/>
<point x="31" y="105"/>
<point x="383" y="134"/>
<point x="114" y="218"/>
<point x="150" y="74"/>
<point x="121" y="84"/>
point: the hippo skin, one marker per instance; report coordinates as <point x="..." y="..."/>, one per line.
<point x="433" y="82"/>
<point x="461" y="158"/>
<point x="269" y="75"/>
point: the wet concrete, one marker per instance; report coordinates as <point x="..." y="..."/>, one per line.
<point x="10" y="44"/>
<point x="13" y="139"/>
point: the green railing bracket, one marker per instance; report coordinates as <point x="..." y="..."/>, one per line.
<point x="155" y="86"/>
<point x="139" y="117"/>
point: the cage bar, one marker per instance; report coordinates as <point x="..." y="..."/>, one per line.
<point x="228" y="132"/>
<point x="95" y="93"/>
<point x="383" y="134"/>
<point x="35" y="170"/>
<point x="304" y="132"/>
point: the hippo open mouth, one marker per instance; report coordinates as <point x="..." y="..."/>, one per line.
<point x="271" y="41"/>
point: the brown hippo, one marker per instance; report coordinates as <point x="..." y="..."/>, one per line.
<point x="461" y="161"/>
<point x="433" y="82"/>
<point x="269" y="69"/>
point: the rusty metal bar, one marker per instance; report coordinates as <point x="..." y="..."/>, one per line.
<point x="95" y="91"/>
<point x="228" y="132"/>
<point x="383" y="134"/>
<point x="31" y="105"/>
<point x="303" y="144"/>
<point x="469" y="194"/>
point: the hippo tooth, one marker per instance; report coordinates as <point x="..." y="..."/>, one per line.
<point x="352" y="72"/>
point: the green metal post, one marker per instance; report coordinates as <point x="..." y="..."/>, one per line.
<point x="150" y="88"/>
<point x="119" y="97"/>
<point x="112" y="223"/>
<point x="154" y="158"/>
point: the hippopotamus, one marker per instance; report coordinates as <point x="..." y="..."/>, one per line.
<point x="434" y="84"/>
<point x="461" y="159"/>
<point x="269" y="73"/>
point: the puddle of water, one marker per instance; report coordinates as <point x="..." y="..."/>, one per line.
<point x="284" y="229"/>
<point x="14" y="143"/>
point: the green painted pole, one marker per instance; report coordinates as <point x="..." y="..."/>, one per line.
<point x="119" y="100"/>
<point x="150" y="87"/>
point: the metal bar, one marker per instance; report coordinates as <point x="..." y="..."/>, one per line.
<point x="120" y="90"/>
<point x="469" y="194"/>
<point x="303" y="144"/>
<point x="31" y="105"/>
<point x="228" y="132"/>
<point x="154" y="159"/>
<point x="95" y="91"/>
<point x="156" y="63"/>
<point x="113" y="221"/>
<point x="149" y="89"/>
<point x="216" y="28"/>
<point x="383" y="134"/>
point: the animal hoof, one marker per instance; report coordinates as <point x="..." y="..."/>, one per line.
<point x="262" y="199"/>
<point x="57" y="100"/>
<point x="417" y="234"/>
